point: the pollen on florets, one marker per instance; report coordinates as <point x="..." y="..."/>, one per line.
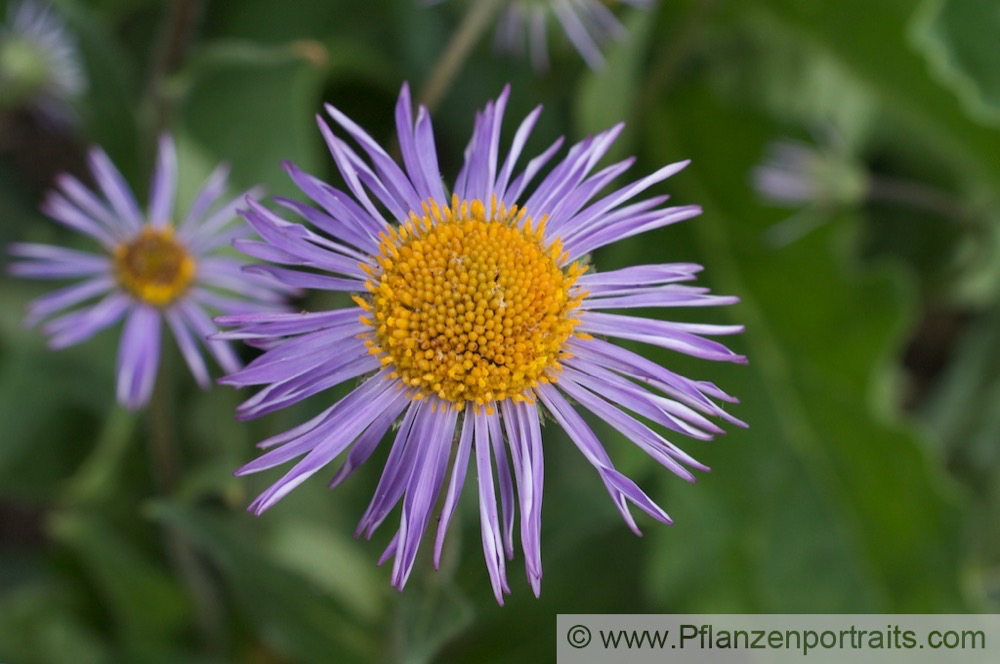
<point x="470" y="304"/>
<point x="153" y="266"/>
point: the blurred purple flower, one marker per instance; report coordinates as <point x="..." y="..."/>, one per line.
<point x="588" y="24"/>
<point x="40" y="65"/>
<point x="150" y="270"/>
<point x="476" y="313"/>
<point x="817" y="178"/>
<point x="795" y="173"/>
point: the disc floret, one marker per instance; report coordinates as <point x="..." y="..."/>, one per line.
<point x="471" y="304"/>
<point x="154" y="266"/>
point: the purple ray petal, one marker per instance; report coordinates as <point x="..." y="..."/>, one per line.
<point x="325" y="442"/>
<point x="587" y="442"/>
<point x="397" y="183"/>
<point x="397" y="466"/>
<point x="206" y="197"/>
<point x="92" y="206"/>
<point x="639" y="276"/>
<point x="648" y="440"/>
<point x="164" y="186"/>
<point x="138" y="357"/>
<point x="77" y="326"/>
<point x="115" y="189"/>
<point x="366" y="444"/>
<point x="202" y="325"/>
<point x="680" y="337"/>
<point x="458" y="472"/>
<point x="423" y="488"/>
<point x="665" y="412"/>
<point x="524" y="436"/>
<point x="489" y="521"/>
<point x="60" y="209"/>
<point x="64" y="298"/>
<point x="188" y="347"/>
<point x="279" y="324"/>
<point x="695" y="394"/>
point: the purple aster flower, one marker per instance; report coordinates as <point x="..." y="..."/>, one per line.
<point x="474" y="315"/>
<point x="587" y="23"/>
<point x="152" y="269"/>
<point x="39" y="61"/>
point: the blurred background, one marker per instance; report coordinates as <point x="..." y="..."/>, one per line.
<point x="847" y="156"/>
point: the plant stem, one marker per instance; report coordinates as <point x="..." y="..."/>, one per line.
<point x="916" y="195"/>
<point x="172" y="45"/>
<point x="166" y="470"/>
<point x="92" y="482"/>
<point x="457" y="51"/>
<point x="663" y="69"/>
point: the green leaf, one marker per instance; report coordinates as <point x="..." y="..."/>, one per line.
<point x="255" y="111"/>
<point x="109" y="105"/>
<point x="877" y="53"/>
<point x="95" y="480"/>
<point x="606" y="97"/>
<point x="39" y="624"/>
<point x="330" y="559"/>
<point x="775" y="66"/>
<point x="959" y="39"/>
<point x="148" y="608"/>
<point x="254" y="105"/>
<point x="962" y="413"/>
<point x="820" y="505"/>
<point x="430" y="613"/>
<point x="289" y="611"/>
<point x="40" y="449"/>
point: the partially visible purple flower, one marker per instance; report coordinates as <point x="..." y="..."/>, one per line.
<point x="474" y="315"/>
<point x="523" y="26"/>
<point x="153" y="267"/>
<point x="816" y="178"/>
<point x="40" y="65"/>
<point x="795" y="173"/>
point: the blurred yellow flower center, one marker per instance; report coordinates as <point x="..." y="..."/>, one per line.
<point x="469" y="304"/>
<point x="154" y="266"/>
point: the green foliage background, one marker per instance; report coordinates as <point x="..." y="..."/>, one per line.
<point x="868" y="480"/>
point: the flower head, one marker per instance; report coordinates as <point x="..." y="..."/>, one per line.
<point x="817" y="178"/>
<point x="39" y="61"/>
<point x="151" y="269"/>
<point x="587" y="23"/>
<point x="474" y="313"/>
<point x="795" y="173"/>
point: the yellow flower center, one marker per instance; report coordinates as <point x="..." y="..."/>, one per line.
<point x="469" y="306"/>
<point x="154" y="266"/>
